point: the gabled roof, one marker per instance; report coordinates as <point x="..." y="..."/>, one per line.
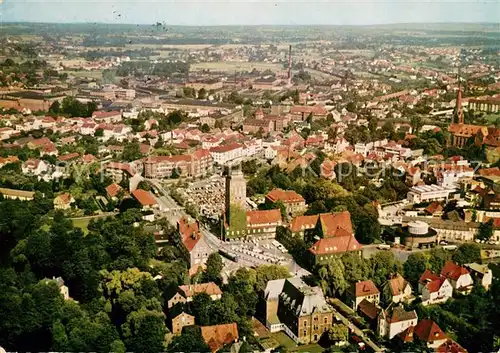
<point x="400" y="314"/>
<point x="190" y="233"/>
<point x="301" y="223"/>
<point x="369" y="309"/>
<point x="450" y="346"/>
<point x="453" y="271"/>
<point x="144" y="197"/>
<point x="210" y="288"/>
<point x="331" y="223"/>
<point x="335" y="245"/>
<point x="364" y="288"/>
<point x="284" y="196"/>
<point x="428" y="331"/>
<point x="218" y="336"/>
<point x="397" y="284"/>
<point x="260" y="217"/>
<point x="113" y="189"/>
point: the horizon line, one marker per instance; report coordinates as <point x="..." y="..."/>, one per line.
<point x="251" y="25"/>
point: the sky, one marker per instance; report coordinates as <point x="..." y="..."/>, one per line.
<point x="250" y="12"/>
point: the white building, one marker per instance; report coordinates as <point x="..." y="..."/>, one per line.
<point x="393" y="322"/>
<point x="223" y="154"/>
<point x="426" y="193"/>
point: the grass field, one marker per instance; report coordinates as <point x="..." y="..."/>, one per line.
<point x="81" y="223"/>
<point x="236" y="66"/>
<point x="284" y="340"/>
<point x="97" y="74"/>
<point x="492" y="118"/>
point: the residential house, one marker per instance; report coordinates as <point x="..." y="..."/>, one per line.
<point x="119" y="171"/>
<point x="364" y="290"/>
<point x="459" y="277"/>
<point x="8" y="160"/>
<point x="413" y="176"/>
<point x="63" y="289"/>
<point x="35" y="167"/>
<point x="434" y="289"/>
<point x="218" y="336"/>
<point x="145" y="199"/>
<point x="481" y="274"/>
<point x="63" y="201"/>
<point x="302" y="310"/>
<point x="107" y="117"/>
<point x="112" y="190"/>
<point x="395" y="320"/>
<point x="185" y="293"/>
<point x="294" y="203"/>
<point x="430" y="333"/>
<point x="179" y="319"/>
<point x="193" y="242"/>
<point x="397" y="290"/>
<point x="450" y="346"/>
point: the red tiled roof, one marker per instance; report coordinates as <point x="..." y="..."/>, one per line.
<point x="113" y="189"/>
<point x="189" y="232"/>
<point x="489" y="172"/>
<point x="226" y="148"/>
<point x="335" y="245"/>
<point x="68" y="157"/>
<point x="65" y="198"/>
<point x="284" y="196"/>
<point x="201" y="153"/>
<point x="218" y="336"/>
<point x="450" y="346"/>
<point x="88" y="158"/>
<point x="434" y="207"/>
<point x="407" y="335"/>
<point x="144" y="197"/>
<point x="300" y="223"/>
<point x="397" y="284"/>
<point x="40" y="142"/>
<point x="120" y="166"/>
<point x="453" y="271"/>
<point x="210" y="288"/>
<point x="331" y="223"/>
<point x="300" y="109"/>
<point x="261" y="217"/>
<point x="364" y="288"/>
<point x="100" y="115"/>
<point x="428" y="331"/>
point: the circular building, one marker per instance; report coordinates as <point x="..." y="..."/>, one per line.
<point x="418" y="234"/>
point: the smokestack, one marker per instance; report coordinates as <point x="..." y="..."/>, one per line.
<point x="290" y="64"/>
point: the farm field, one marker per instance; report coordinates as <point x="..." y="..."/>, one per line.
<point x="236" y="66"/>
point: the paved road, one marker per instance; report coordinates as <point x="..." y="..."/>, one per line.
<point x="357" y="331"/>
<point x="402" y="255"/>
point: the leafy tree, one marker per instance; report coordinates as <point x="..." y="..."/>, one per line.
<point x="202" y="93"/>
<point x="200" y="308"/>
<point x="383" y="264"/>
<point x="467" y="253"/>
<point x="414" y="266"/>
<point x="214" y="268"/>
<point x="437" y="259"/>
<point x="131" y="151"/>
<point x="332" y="279"/>
<point x="144" y="331"/>
<point x="55" y="108"/>
<point x="355" y="268"/>
<point x="486" y="230"/>
<point x="266" y="273"/>
<point x="188" y="341"/>
<point x="338" y="333"/>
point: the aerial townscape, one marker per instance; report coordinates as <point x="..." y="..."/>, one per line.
<point x="277" y="189"/>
